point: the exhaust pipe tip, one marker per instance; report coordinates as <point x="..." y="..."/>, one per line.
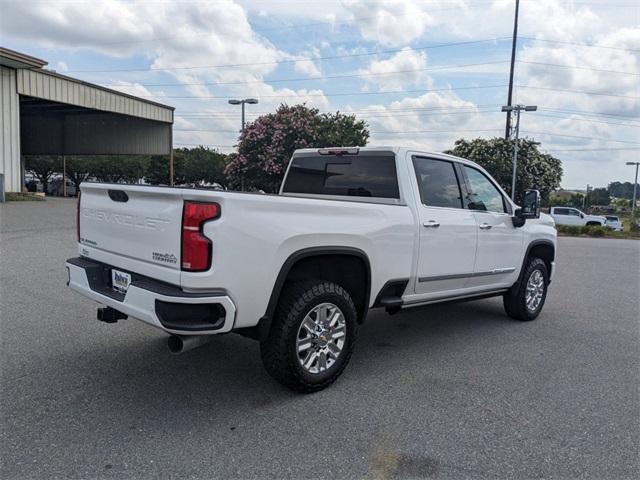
<point x="175" y="344"/>
<point x="181" y="343"/>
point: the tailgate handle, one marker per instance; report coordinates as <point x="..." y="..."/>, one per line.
<point x="118" y="196"/>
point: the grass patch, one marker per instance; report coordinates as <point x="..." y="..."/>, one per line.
<point x="23" y="197"/>
<point x="594" y="231"/>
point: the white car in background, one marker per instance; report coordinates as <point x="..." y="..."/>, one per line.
<point x="573" y="216"/>
<point x="614" y="223"/>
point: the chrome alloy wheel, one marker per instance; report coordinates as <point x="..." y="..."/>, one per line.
<point x="321" y="337"/>
<point x="535" y="291"/>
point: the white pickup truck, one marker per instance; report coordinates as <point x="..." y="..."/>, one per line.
<point x="351" y="229"/>
<point x="573" y="216"/>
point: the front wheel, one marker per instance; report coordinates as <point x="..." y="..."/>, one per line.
<point x="311" y="337"/>
<point x="525" y="299"/>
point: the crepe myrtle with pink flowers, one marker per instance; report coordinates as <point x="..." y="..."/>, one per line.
<point x="266" y="145"/>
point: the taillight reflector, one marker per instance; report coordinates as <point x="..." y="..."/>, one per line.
<point x="196" y="248"/>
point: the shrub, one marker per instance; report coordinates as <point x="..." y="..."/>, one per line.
<point x="569" y="229"/>
<point x="23" y="197"/>
<point x="596" y="230"/>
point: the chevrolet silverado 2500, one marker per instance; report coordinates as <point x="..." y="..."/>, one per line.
<point x="351" y="229"/>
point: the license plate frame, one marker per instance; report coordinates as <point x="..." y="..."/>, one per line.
<point x="120" y="281"/>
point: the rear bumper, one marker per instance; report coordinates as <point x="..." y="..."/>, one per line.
<point x="161" y="305"/>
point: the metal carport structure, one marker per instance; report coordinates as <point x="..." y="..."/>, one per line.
<point x="46" y="113"/>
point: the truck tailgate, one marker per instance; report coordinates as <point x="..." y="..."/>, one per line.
<point x="136" y="228"/>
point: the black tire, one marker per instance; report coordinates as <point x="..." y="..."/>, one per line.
<point x="279" y="351"/>
<point x="515" y="299"/>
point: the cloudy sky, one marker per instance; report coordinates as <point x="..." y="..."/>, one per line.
<point x="421" y="72"/>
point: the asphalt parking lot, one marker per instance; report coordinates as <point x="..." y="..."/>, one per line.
<point x="455" y="391"/>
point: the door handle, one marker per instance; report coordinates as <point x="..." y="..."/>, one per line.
<point x="431" y="224"/>
<point x="485" y="226"/>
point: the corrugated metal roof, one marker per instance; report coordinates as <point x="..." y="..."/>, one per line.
<point x="60" y="88"/>
<point x="13" y="59"/>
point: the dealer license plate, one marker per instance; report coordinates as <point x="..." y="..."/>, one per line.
<point x="120" y="280"/>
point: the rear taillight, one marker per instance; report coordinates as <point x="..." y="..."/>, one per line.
<point x="196" y="248"/>
<point x="78" y="218"/>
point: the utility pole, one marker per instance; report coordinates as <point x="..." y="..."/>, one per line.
<point x="234" y="101"/>
<point x="64" y="176"/>
<point x="517" y="109"/>
<point x="584" y="199"/>
<point x="635" y="191"/>
<point x="507" y="131"/>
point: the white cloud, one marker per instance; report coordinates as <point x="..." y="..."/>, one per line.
<point x="409" y="63"/>
<point x="393" y="22"/>
<point x="430" y="121"/>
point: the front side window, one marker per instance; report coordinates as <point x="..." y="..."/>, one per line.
<point x="363" y="175"/>
<point x="438" y="183"/>
<point x="484" y="195"/>
<point x="573" y="212"/>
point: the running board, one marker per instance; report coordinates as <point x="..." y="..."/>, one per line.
<point x="460" y="298"/>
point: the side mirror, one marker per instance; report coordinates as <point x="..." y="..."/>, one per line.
<point x="531" y="204"/>
<point x="530" y="208"/>
<point x="582" y="215"/>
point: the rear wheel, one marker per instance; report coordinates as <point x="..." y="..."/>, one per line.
<point x="525" y="299"/>
<point x="312" y="335"/>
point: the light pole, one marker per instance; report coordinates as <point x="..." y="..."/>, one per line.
<point x="517" y="109"/>
<point x="242" y="102"/>
<point x="635" y="190"/>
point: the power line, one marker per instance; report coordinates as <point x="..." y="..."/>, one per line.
<point x="580" y="137"/>
<point x="329" y="77"/>
<point x="268" y="29"/>
<point x="590" y="113"/>
<point x="423" y="91"/>
<point x="337" y="94"/>
<point x="294" y="60"/>
<point x="590" y="149"/>
<point x="592" y="45"/>
<point x="564" y="117"/>
<point x="577" y="91"/>
<point x="577" y="67"/>
<point x="365" y="74"/>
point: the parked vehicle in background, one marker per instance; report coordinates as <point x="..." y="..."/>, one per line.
<point x="573" y="216"/>
<point x="614" y="223"/>
<point x="352" y="229"/>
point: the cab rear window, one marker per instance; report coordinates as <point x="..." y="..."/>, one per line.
<point x="362" y="175"/>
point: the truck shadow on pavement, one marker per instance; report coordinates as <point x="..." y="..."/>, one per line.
<point x="227" y="373"/>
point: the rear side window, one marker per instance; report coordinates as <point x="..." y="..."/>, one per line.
<point x="438" y="183"/>
<point x="561" y="211"/>
<point x="362" y="175"/>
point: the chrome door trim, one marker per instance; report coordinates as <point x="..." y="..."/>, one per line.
<point x="495" y="271"/>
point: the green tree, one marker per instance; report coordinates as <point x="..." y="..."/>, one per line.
<point x="622" y="190"/>
<point x="202" y="164"/>
<point x="535" y="169"/>
<point x="157" y="171"/>
<point x="78" y="169"/>
<point x="116" y="168"/>
<point x="599" y="196"/>
<point x="266" y="145"/>
<point x="42" y="167"/>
